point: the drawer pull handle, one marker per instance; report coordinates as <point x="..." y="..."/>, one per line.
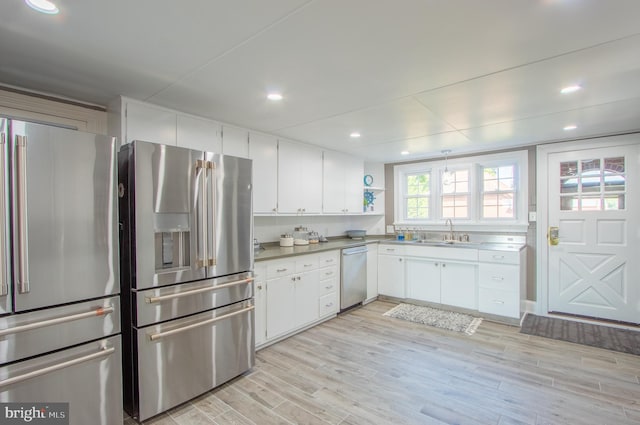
<point x="328" y="287"/>
<point x="330" y="260"/>
<point x="498" y="257"/>
<point x="308" y="265"/>
<point x="281" y="270"/>
<point x="498" y="302"/>
<point x="328" y="305"/>
<point x="159" y="335"/>
<point x="102" y="311"/>
<point x="46" y="370"/>
<point x="160" y="298"/>
<point x="328" y="273"/>
<point x="498" y="278"/>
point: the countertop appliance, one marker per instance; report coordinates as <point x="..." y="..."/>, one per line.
<point x="187" y="286"/>
<point x="353" y="276"/>
<point x="59" y="305"/>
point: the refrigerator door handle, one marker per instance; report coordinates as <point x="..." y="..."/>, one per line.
<point x="160" y="298"/>
<point x="159" y="335"/>
<point x="46" y="370"/>
<point x="4" y="285"/>
<point x="21" y="214"/>
<point x="102" y="311"/>
<point x="211" y="168"/>
<point x="201" y="232"/>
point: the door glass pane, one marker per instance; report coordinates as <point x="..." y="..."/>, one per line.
<point x="569" y="203"/>
<point x="568" y="168"/>
<point x="591" y="203"/>
<point x="569" y="185"/>
<point x="614" y="202"/>
<point x="591" y="183"/>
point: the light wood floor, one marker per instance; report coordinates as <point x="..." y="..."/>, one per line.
<point x="364" y="368"/>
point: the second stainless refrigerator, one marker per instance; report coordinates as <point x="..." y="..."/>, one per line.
<point x="187" y="285"/>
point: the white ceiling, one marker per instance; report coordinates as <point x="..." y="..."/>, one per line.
<point x="416" y="75"/>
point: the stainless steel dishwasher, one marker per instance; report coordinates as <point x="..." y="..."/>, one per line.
<point x="353" y="276"/>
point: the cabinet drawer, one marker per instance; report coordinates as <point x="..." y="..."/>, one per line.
<point x="328" y="286"/>
<point x="499" y="276"/>
<point x="505" y="257"/>
<point x="330" y="258"/>
<point x="328" y="304"/>
<point x="306" y="263"/>
<point x="391" y="250"/>
<point x="280" y="268"/>
<point x="499" y="302"/>
<point x="329" y="272"/>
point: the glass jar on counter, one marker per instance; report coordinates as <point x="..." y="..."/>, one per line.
<point x="301" y="236"/>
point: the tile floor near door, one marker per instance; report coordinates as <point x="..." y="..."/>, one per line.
<point x="364" y="368"/>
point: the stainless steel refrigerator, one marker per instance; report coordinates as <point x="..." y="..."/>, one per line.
<point x="187" y="285"/>
<point x="59" y="304"/>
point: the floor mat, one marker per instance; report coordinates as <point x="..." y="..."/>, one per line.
<point x="623" y="340"/>
<point x="437" y="318"/>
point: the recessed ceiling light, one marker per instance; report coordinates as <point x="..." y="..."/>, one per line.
<point x="404" y="153"/>
<point x="274" y="96"/>
<point x="570" y="89"/>
<point x="354" y="135"/>
<point x="43" y="6"/>
<point x="570" y="127"/>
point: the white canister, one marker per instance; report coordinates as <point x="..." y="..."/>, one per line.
<point x="286" y="240"/>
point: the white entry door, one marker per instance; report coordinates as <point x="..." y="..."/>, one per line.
<point x="594" y="270"/>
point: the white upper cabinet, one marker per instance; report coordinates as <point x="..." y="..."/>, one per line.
<point x="199" y="133"/>
<point x="235" y="141"/>
<point x="299" y="178"/>
<point x="342" y="184"/>
<point x="263" y="150"/>
<point x="149" y="123"/>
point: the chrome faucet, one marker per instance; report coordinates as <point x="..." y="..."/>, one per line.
<point x="451" y="237"/>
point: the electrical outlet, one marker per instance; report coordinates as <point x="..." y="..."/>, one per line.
<point x="390" y="229"/>
<point x="532" y="216"/>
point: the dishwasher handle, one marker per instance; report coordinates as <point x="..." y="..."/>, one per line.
<point x="354" y="251"/>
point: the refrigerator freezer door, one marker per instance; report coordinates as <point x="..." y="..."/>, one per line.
<point x="65" y="218"/>
<point x="183" y="358"/>
<point x="87" y="377"/>
<point x="5" y="264"/>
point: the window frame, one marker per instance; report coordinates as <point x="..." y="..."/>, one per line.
<point x="475" y="165"/>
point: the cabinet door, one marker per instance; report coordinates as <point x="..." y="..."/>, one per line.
<point x="263" y="150"/>
<point x="353" y="183"/>
<point x="423" y="280"/>
<point x="391" y="276"/>
<point x="280" y="305"/>
<point x="199" y="134"/>
<point x="372" y="271"/>
<point x="150" y="124"/>
<point x="260" y="282"/>
<point x="299" y="178"/>
<point x="235" y="141"/>
<point x="306" y="299"/>
<point x="333" y="183"/>
<point x="458" y="285"/>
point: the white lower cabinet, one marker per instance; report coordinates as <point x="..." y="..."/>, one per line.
<point x="298" y="291"/>
<point x="260" y="291"/>
<point x="329" y="283"/>
<point x="423" y="279"/>
<point x="501" y="282"/>
<point x="391" y="271"/>
<point x="441" y="281"/>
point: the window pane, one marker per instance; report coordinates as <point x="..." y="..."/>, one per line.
<point x="490" y="173"/>
<point x="490" y="185"/>
<point x="506" y="209"/>
<point x="462" y="175"/>
<point x="506" y="172"/>
<point x="418" y="184"/>
<point x="448" y="212"/>
<point x="461" y="212"/>
<point x="489" y="212"/>
<point x="462" y="187"/>
<point x="614" y="182"/>
<point x="506" y="184"/>
<point x="590" y="165"/>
